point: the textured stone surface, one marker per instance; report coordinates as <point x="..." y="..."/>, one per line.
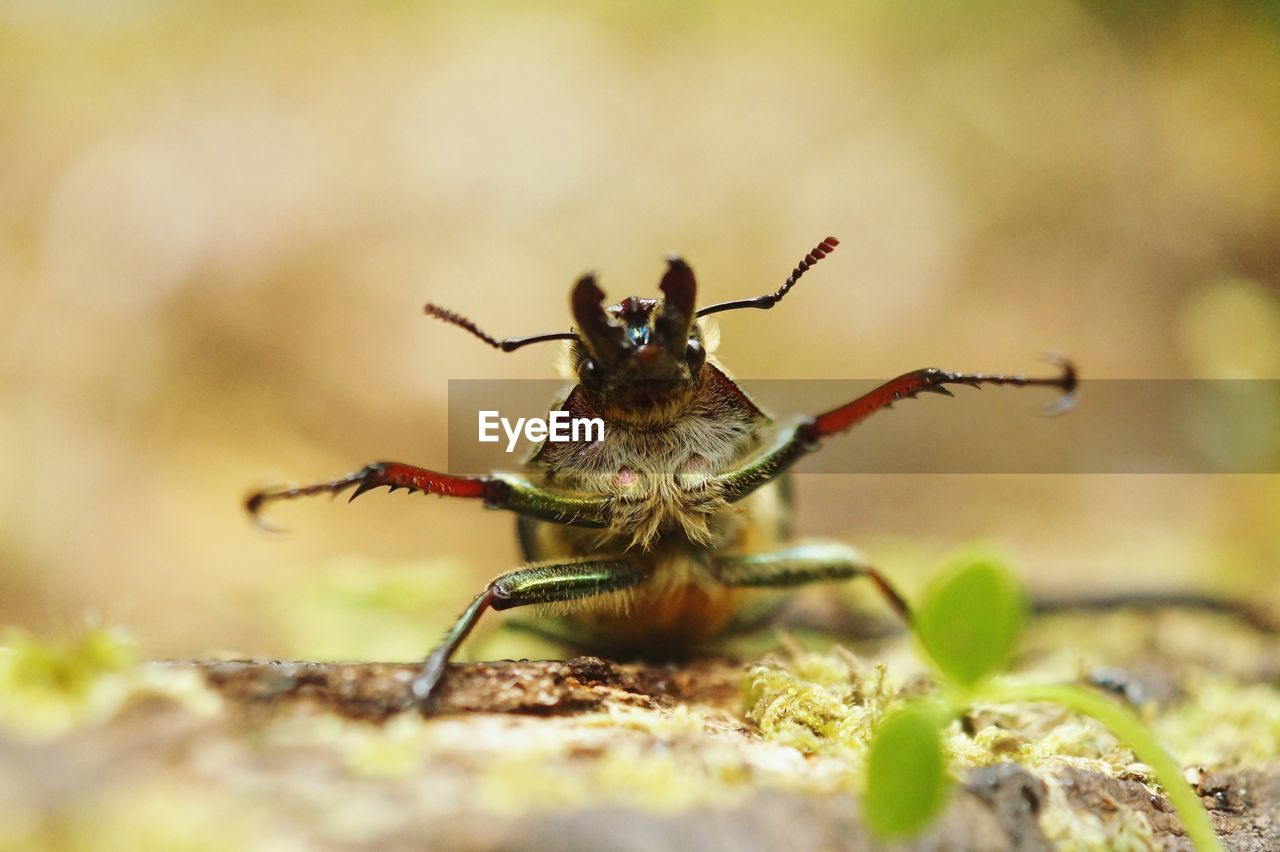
<point x="586" y="753"/>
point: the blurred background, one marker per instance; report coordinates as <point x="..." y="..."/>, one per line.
<point x="219" y="222"/>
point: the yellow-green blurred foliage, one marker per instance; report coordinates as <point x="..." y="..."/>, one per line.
<point x="218" y="223"/>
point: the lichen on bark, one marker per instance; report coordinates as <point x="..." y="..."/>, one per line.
<point x="756" y="753"/>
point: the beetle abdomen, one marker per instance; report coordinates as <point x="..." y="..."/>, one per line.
<point x="661" y="621"/>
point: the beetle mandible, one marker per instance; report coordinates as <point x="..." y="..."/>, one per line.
<point x="651" y="537"/>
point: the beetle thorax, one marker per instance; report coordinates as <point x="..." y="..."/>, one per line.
<point x="660" y="474"/>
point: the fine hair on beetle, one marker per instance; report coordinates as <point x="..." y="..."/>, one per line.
<point x="663" y="534"/>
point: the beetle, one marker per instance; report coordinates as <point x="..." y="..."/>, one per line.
<point x="651" y="538"/>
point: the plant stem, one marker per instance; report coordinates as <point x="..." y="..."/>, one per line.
<point x="1130" y="729"/>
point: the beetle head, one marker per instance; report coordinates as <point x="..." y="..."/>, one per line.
<point x="639" y="351"/>
<point x="640" y="355"/>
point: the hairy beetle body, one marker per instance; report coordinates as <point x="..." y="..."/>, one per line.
<point x="652" y="539"/>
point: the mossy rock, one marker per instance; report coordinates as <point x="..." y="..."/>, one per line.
<point x="716" y="753"/>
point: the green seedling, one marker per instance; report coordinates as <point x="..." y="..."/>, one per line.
<point x="907" y="771"/>
<point x="968" y="625"/>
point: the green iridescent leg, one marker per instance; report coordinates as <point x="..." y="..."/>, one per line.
<point x="534" y="584"/>
<point x="498" y="491"/>
<point x="801" y="565"/>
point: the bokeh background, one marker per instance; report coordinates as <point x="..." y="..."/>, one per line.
<point x="219" y="221"/>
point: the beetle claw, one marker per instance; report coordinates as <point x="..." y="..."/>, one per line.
<point x="1062" y="405"/>
<point x="253" y="506"/>
<point x="422" y="689"/>
<point x="1069" y="382"/>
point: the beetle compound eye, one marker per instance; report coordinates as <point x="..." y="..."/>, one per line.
<point x="695" y="355"/>
<point x="589" y="374"/>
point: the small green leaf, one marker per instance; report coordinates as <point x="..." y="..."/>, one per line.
<point x="907" y="782"/>
<point x="970" y="619"/>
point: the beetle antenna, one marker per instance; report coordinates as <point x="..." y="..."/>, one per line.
<point x="507" y="344"/>
<point x="768" y="300"/>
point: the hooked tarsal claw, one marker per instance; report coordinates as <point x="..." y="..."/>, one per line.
<point x="1069" y="382"/>
<point x="1065" y="403"/>
<point x="253" y="505"/>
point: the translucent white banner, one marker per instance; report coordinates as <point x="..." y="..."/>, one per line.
<point x="1117" y="426"/>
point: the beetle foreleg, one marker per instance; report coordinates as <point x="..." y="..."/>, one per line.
<point x="933" y="380"/>
<point x="534" y="584"/>
<point x="803" y="437"/>
<point x="498" y="492"/>
<point x="801" y="565"/>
